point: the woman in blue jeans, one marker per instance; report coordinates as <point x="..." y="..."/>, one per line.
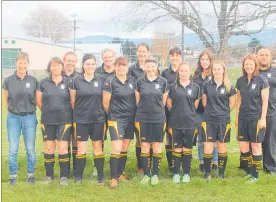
<point x="203" y="74"/>
<point x="19" y="99"/>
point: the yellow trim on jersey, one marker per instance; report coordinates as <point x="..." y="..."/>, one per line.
<point x="68" y="125"/>
<point x="204" y="126"/>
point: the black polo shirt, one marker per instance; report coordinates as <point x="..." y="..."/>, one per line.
<point x="251" y="104"/>
<point x="199" y="81"/>
<point x="71" y="76"/>
<point x="56" y="106"/>
<point x="21" y="96"/>
<point x="123" y="103"/>
<point x="150" y="108"/>
<point x="183" y="111"/>
<point x="100" y="70"/>
<point x="217" y="110"/>
<point x="169" y="74"/>
<point x="270" y="74"/>
<point x="89" y="102"/>
<point x="136" y="71"/>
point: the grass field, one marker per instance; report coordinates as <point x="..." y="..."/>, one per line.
<point x="233" y="188"/>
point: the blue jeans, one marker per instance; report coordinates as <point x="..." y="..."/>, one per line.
<point x="200" y="144"/>
<point x="26" y="125"/>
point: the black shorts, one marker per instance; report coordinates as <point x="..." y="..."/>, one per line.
<point x="182" y="137"/>
<point x="215" y="132"/>
<point x="248" y="131"/>
<point x="96" y="131"/>
<point x="169" y="138"/>
<point x="121" y="130"/>
<point x="151" y="132"/>
<point x="57" y="132"/>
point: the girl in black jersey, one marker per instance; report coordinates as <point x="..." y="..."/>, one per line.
<point x="120" y="105"/>
<point x="53" y="98"/>
<point x="252" y="105"/>
<point x="183" y="100"/>
<point x="89" y="116"/>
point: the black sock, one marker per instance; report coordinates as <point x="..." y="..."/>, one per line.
<point x="145" y="161"/>
<point x="138" y="154"/>
<point x="222" y="162"/>
<point x="256" y="165"/>
<point x="177" y="157"/>
<point x="157" y="158"/>
<point x="169" y="152"/>
<point x="49" y="162"/>
<point x="151" y="156"/>
<point x="80" y="164"/>
<point x="63" y="164"/>
<point x="114" y="165"/>
<point x="246" y="161"/>
<point x="99" y="164"/>
<point x="122" y="163"/>
<point x="207" y="159"/>
<point x="74" y="152"/>
<point x="186" y="163"/>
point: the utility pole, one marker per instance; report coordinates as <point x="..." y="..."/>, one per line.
<point x="75" y="28"/>
<point x="182" y="31"/>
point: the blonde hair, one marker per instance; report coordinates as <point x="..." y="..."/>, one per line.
<point x="22" y="55"/>
<point x="226" y="79"/>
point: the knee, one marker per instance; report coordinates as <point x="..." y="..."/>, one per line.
<point x="145" y="148"/>
<point x="82" y="150"/>
<point x="244" y="147"/>
<point x="97" y="149"/>
<point x="49" y="150"/>
<point x="62" y="149"/>
<point x="256" y="148"/>
<point x="157" y="149"/>
<point x="116" y="149"/>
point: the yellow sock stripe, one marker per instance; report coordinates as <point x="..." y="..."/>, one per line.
<point x="49" y="160"/>
<point x="81" y="156"/>
<point x="122" y="155"/>
<point x="223" y="154"/>
<point x="157" y="154"/>
<point x="169" y="150"/>
<point x="145" y="154"/>
<point x="208" y="155"/>
<point x="64" y="160"/>
<point x="98" y="156"/>
<point x="115" y="155"/>
<point x="177" y="154"/>
<point x="187" y="152"/>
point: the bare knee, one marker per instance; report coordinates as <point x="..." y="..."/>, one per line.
<point x="50" y="147"/>
<point x="208" y="147"/>
<point x="156" y="147"/>
<point x="97" y="147"/>
<point x="82" y="147"/>
<point x="145" y="147"/>
<point x="244" y="147"/>
<point x="256" y="149"/>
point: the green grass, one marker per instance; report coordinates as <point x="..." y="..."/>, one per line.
<point x="233" y="188"/>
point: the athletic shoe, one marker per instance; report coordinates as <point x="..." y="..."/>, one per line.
<point x="207" y="177"/>
<point x="252" y="180"/>
<point x="95" y="172"/>
<point x="145" y="180"/>
<point x="247" y="176"/>
<point x="186" y="178"/>
<point x="63" y="181"/>
<point x="123" y="178"/>
<point x="214" y="167"/>
<point x="176" y="178"/>
<point x="13" y="181"/>
<point x="113" y="183"/>
<point x="46" y="180"/>
<point x="154" y="180"/>
<point x="100" y="182"/>
<point x="31" y="180"/>
<point x="78" y="180"/>
<point x="201" y="168"/>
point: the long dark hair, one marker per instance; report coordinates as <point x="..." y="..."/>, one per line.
<point x="199" y="68"/>
<point x="86" y="57"/>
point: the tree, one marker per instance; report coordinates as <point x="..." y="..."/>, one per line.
<point x="231" y="18"/>
<point x="47" y="22"/>
<point x="129" y="50"/>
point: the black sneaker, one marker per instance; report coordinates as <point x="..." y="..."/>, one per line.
<point x="201" y="168"/>
<point x="214" y="167"/>
<point x="46" y="180"/>
<point x="12" y="181"/>
<point x="63" y="181"/>
<point x="78" y="180"/>
<point x="31" y="179"/>
<point x="221" y="176"/>
<point x="207" y="177"/>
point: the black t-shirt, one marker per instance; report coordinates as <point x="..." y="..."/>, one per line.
<point x="169" y="74"/>
<point x="136" y="71"/>
<point x="71" y="76"/>
<point x="251" y="104"/>
<point x="21" y="93"/>
<point x="199" y="80"/>
<point x="56" y="107"/>
<point x="123" y="103"/>
<point x="182" y="113"/>
<point x="89" y="102"/>
<point x="100" y="70"/>
<point x="217" y="110"/>
<point x="270" y="75"/>
<point x="150" y="108"/>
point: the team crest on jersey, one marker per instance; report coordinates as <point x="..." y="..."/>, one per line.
<point x="253" y="86"/>
<point x="189" y="92"/>
<point x="130" y="85"/>
<point x="269" y="75"/>
<point x="62" y="86"/>
<point x="222" y="90"/>
<point x="209" y="78"/>
<point x="96" y="84"/>
<point x="28" y="84"/>
<point x="157" y="86"/>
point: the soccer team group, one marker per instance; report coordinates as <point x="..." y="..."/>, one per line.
<point x="137" y="101"/>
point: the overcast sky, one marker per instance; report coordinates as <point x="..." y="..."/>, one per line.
<point x="96" y="17"/>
